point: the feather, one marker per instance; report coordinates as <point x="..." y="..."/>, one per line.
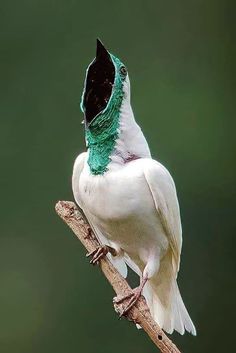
<point x="163" y="191"/>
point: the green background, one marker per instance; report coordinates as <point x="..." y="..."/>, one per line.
<point x="181" y="60"/>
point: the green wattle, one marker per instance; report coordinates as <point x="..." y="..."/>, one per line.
<point x="102" y="133"/>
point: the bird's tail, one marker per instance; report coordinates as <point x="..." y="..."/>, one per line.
<point x="165" y="303"/>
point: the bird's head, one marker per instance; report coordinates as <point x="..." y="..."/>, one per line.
<point x="108" y="116"/>
<point x="106" y="86"/>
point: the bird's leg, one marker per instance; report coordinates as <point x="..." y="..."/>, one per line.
<point x="133" y="297"/>
<point x="99" y="253"/>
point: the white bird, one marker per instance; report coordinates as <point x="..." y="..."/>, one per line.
<point x="128" y="198"/>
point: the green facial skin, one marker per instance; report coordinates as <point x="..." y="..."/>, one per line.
<point x="102" y="132"/>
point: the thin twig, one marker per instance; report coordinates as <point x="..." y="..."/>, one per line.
<point x="139" y="313"/>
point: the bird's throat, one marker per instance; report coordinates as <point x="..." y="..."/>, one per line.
<point x="102" y="133"/>
<point x="101" y="144"/>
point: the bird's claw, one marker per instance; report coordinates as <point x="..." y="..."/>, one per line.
<point x="97" y="254"/>
<point x="123" y="308"/>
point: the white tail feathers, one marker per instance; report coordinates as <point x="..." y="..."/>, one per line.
<point x="167" y="307"/>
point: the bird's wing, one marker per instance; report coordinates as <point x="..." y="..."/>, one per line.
<point x="118" y="261"/>
<point x="163" y="191"/>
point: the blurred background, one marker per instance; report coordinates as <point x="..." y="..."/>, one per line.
<point x="181" y="60"/>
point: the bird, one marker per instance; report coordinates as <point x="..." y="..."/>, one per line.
<point x="128" y="198"/>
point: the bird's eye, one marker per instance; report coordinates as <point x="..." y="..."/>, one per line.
<point x="123" y="71"/>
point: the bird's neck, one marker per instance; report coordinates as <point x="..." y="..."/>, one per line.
<point x="101" y="142"/>
<point x="115" y="139"/>
<point x="102" y="133"/>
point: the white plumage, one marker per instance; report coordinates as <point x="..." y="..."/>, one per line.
<point x="133" y="207"/>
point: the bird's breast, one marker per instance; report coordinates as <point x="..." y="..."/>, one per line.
<point x="115" y="195"/>
<point x="121" y="206"/>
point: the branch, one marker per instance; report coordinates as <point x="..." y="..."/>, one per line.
<point x="139" y="313"/>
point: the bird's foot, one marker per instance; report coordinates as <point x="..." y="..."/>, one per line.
<point x="122" y="306"/>
<point x="99" y="253"/>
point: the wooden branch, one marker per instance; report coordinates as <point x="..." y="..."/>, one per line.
<point x="139" y="313"/>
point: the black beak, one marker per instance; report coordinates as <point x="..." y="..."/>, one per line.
<point x="101" y="52"/>
<point x="100" y="79"/>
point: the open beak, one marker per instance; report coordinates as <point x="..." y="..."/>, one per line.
<point x="99" y="82"/>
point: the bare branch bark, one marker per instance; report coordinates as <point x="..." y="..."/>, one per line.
<point x="139" y="313"/>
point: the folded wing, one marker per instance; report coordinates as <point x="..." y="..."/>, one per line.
<point x="163" y="191"/>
